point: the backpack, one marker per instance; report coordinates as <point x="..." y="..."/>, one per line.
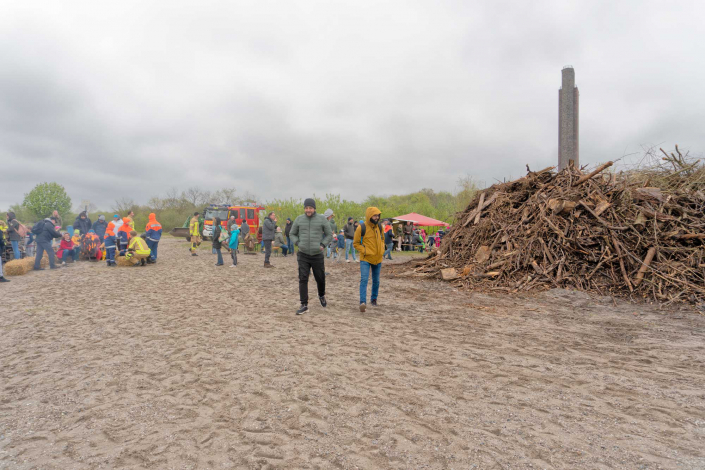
<point x="38" y="227"/>
<point x="363" y="229"/>
<point x="22" y="230"/>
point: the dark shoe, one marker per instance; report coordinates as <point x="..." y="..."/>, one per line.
<point x="194" y="254"/>
<point x="374" y="303"/>
<point x="363" y="307"/>
<point x="2" y="279"/>
<point x="303" y="309"/>
<point x="56" y="267"/>
<point x="39" y="269"/>
<point x="219" y="264"/>
<point x="323" y="300"/>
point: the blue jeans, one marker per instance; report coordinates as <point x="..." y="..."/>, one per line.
<point x="289" y="244"/>
<point x="349" y="247"/>
<point x="15" y="248"/>
<point x="388" y="251"/>
<point x="74" y="252"/>
<point x="220" y="255"/>
<point x="153" y="246"/>
<point x="365" y="269"/>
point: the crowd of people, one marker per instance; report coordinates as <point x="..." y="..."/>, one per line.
<point x="93" y="241"/>
<point x="316" y="235"/>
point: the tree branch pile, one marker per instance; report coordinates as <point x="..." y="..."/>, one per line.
<point x="602" y="232"/>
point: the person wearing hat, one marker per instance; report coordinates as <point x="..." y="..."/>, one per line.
<point x="330" y="216"/>
<point x="100" y="226"/>
<point x="153" y="229"/>
<point x="349" y="231"/>
<point x="311" y="233"/>
<point x="369" y="241"/>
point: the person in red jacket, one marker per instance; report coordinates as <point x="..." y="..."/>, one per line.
<point x="67" y="249"/>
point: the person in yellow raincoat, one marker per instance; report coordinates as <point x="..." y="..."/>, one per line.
<point x="369" y="243"/>
<point x="138" y="250"/>
<point x="195" y="233"/>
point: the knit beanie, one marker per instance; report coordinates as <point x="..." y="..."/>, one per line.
<point x="310" y="202"/>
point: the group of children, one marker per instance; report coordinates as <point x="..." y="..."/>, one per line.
<point x="142" y="250"/>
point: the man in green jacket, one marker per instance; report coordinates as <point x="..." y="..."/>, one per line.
<point x="311" y="233"/>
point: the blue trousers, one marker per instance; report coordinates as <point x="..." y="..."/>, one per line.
<point x="15" y="248"/>
<point x="388" y="251"/>
<point x="349" y="247"/>
<point x="153" y="246"/>
<point x="365" y="269"/>
<point x="110" y="255"/>
<point x="220" y="255"/>
<point x="74" y="252"/>
<point x="289" y="244"/>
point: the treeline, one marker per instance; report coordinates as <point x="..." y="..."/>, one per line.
<point x="175" y="207"/>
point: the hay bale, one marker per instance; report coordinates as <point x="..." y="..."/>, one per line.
<point x="20" y="267"/>
<point x="124" y="262"/>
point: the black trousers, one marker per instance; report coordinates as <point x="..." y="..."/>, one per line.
<point x="267" y="250"/>
<point x="306" y="264"/>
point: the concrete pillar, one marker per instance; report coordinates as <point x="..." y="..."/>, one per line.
<point x="568" y="110"/>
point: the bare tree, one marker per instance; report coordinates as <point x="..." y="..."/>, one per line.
<point x="123" y="205"/>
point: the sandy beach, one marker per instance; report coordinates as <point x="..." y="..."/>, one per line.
<point x="184" y="365"/>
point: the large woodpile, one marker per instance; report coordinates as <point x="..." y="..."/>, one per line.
<point x="638" y="234"/>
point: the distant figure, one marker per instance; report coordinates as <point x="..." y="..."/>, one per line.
<point x="13" y="232"/>
<point x="194" y="233"/>
<point x="349" y="230"/>
<point x="217" y="245"/>
<point x="82" y="223"/>
<point x="123" y="234"/>
<point x="2" y="250"/>
<point x="99" y="226"/>
<point x="279" y="242"/>
<point x="268" y="230"/>
<point x="137" y="250"/>
<point x="46" y="233"/>
<point x="388" y="240"/>
<point x="67" y="250"/>
<point x="110" y="245"/>
<point x="287" y="230"/>
<point x="234" y="243"/>
<point x="57" y="218"/>
<point x="153" y="230"/>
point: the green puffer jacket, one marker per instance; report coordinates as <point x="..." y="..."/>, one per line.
<point x="311" y="233"/>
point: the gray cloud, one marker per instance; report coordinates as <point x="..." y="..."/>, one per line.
<point x="287" y="99"/>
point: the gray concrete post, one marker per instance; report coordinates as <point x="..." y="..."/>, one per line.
<point x="568" y="111"/>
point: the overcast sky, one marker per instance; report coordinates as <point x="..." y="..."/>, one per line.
<point x="291" y="98"/>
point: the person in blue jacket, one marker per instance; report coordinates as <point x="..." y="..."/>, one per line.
<point x="154" y="234"/>
<point x="109" y="243"/>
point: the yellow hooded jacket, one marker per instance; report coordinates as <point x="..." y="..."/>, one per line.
<point x="371" y="248"/>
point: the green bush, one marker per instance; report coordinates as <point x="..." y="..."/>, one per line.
<point x="45" y="198"/>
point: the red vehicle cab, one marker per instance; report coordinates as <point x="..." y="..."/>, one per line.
<point x="224" y="211"/>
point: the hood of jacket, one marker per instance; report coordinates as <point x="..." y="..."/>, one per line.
<point x="11" y="216"/>
<point x="371" y="246"/>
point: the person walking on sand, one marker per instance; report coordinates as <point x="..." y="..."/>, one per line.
<point x="369" y="241"/>
<point x="194" y="233"/>
<point x="268" y="230"/>
<point x="388" y="239"/>
<point x="311" y="233"/>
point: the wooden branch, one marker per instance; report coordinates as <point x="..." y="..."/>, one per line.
<point x="599" y="169"/>
<point x="645" y="266"/>
<point x="479" y="204"/>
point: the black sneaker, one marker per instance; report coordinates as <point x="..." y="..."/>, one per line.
<point x="374" y="303"/>
<point x="2" y="279"/>
<point x="303" y="309"/>
<point x="323" y="300"/>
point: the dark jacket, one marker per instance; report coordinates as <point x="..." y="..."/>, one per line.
<point x="2" y="242"/>
<point x="216" y="234"/>
<point x="84" y="225"/>
<point x="349" y="231"/>
<point x="99" y="227"/>
<point x="268" y="229"/>
<point x="48" y="232"/>
<point x="311" y="233"/>
<point x="287" y="227"/>
<point x="12" y="226"/>
<point x="388" y="236"/>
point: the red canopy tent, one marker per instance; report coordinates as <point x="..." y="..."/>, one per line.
<point x="422" y="220"/>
